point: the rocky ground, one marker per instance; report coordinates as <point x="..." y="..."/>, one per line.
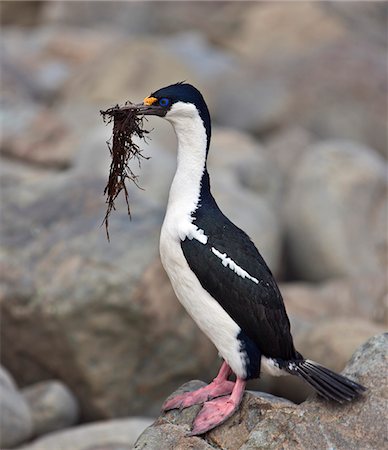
<point x="272" y="423"/>
<point x="91" y="330"/>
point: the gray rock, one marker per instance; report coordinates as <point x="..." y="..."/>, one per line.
<point x="150" y="64"/>
<point x="360" y="297"/>
<point x="287" y="147"/>
<point x="333" y="342"/>
<point x="342" y="68"/>
<point x="15" y="417"/>
<point x="334" y="212"/>
<point x="271" y="398"/>
<point x="6" y="380"/>
<point x="90" y="296"/>
<point x="118" y="434"/>
<point x="245" y="102"/>
<point x="52" y="405"/>
<point x="369" y="18"/>
<point x="316" y="423"/>
<point x="97" y="303"/>
<point x="247" y="189"/>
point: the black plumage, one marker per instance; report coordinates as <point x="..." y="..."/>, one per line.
<point x="328" y="384"/>
<point x="256" y="307"/>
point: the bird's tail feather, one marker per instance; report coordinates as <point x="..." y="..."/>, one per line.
<point x="327" y="383"/>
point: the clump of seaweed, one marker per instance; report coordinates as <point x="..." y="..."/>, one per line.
<point x="126" y="125"/>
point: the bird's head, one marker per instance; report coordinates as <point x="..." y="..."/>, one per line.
<point x="181" y="104"/>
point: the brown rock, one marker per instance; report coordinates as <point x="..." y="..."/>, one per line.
<point x="261" y="423"/>
<point x="247" y="189"/>
<point x="97" y="303"/>
<point x="309" y="28"/>
<point x="45" y="140"/>
<point x="118" y="434"/>
<point x="333" y="341"/>
<point x="52" y="405"/>
<point x="367" y="17"/>
<point x="314" y="55"/>
<point x="25" y="13"/>
<point x="336" y="198"/>
<point x="353" y="297"/>
<point x="287" y="147"/>
<point x="127" y="71"/>
<point x="359" y="303"/>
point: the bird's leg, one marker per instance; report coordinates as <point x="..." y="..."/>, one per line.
<point x="216" y="411"/>
<point x="218" y="387"/>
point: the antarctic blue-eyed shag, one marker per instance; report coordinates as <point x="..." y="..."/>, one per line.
<point x="220" y="277"/>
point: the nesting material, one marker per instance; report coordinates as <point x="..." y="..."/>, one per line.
<point x="126" y="125"/>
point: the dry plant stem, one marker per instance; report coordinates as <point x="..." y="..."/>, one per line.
<point x="126" y="125"/>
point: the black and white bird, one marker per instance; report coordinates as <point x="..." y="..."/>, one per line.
<point x="220" y="277"/>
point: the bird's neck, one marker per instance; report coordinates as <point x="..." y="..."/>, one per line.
<point x="188" y="185"/>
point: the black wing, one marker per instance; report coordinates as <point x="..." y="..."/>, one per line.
<point x="257" y="307"/>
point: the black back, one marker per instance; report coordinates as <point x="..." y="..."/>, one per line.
<point x="257" y="308"/>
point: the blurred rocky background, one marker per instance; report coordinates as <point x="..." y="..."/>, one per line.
<point x="91" y="333"/>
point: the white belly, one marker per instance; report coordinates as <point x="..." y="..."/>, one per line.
<point x="211" y="318"/>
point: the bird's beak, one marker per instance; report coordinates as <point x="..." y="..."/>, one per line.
<point x="147" y="108"/>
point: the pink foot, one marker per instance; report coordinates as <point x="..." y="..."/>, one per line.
<point x="218" y="387"/>
<point x="212" y="390"/>
<point x="215" y="412"/>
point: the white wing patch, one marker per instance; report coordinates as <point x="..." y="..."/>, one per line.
<point x="188" y="230"/>
<point x="200" y="236"/>
<point x="227" y="262"/>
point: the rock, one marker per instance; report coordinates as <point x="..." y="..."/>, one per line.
<point x="15" y="417"/>
<point x="309" y="29"/>
<point x="328" y="321"/>
<point x="118" y="434"/>
<point x="91" y="296"/>
<point x="6" y="380"/>
<point x="263" y="423"/>
<point x="313" y="55"/>
<point x="77" y="284"/>
<point x="44" y="140"/>
<point x="234" y="105"/>
<point x="287" y="147"/>
<point x="28" y="14"/>
<point x="359" y="297"/>
<point x="52" y="405"/>
<point x="247" y="190"/>
<point x="336" y="199"/>
<point x="160" y="61"/>
<point x="97" y="303"/>
<point x="37" y="129"/>
<point x="270" y="397"/>
<point x="368" y="18"/>
<point x="332" y="342"/>
<point x="126" y="72"/>
<point x="206" y="61"/>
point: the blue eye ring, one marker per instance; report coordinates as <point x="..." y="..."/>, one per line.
<point x="164" y="101"/>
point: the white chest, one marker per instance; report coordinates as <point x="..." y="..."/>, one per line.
<point x="184" y="196"/>
<point x="211" y="318"/>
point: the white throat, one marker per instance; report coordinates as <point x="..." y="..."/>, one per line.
<point x="191" y="162"/>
